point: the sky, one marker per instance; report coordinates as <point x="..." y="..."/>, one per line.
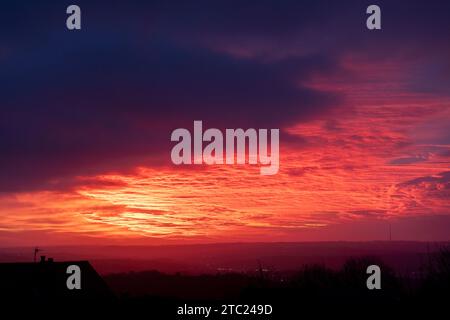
<point x="86" y="118"/>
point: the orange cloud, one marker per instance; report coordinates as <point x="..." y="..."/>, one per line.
<point x="366" y="162"/>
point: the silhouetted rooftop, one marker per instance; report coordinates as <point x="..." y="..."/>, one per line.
<point x="46" y="280"/>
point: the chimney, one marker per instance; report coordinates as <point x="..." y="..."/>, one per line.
<point x="42" y="259"/>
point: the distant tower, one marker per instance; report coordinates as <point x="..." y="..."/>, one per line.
<point x="390" y="232"/>
<point x="36" y="250"/>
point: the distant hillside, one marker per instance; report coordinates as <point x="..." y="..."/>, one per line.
<point x="404" y="257"/>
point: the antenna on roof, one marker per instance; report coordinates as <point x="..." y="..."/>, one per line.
<point x="36" y="250"/>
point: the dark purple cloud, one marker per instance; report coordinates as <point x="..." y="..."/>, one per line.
<point x="442" y="178"/>
<point x="108" y="96"/>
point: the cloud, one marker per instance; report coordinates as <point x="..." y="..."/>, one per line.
<point x="102" y="100"/>
<point x="105" y="99"/>
<point x="409" y="160"/>
<point x="441" y="178"/>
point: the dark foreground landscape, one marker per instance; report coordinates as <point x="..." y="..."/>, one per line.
<point x="415" y="277"/>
